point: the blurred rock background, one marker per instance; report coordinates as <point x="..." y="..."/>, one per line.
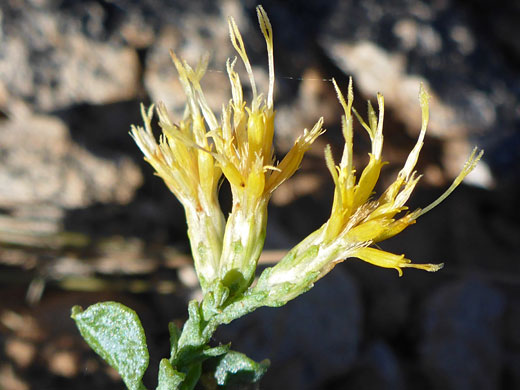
<point x="83" y="219"/>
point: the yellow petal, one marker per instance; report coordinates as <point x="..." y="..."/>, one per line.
<point x="255" y="133"/>
<point x="367" y="231"/>
<point x="230" y="171"/>
<point x="256" y="180"/>
<point x="397" y="227"/>
<point x="367" y="181"/>
<point x="391" y="260"/>
<point x="291" y="161"/>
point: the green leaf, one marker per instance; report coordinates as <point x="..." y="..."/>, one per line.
<point x="214" y="299"/>
<point x="192" y="377"/>
<point x="169" y="379"/>
<point x="175" y="334"/>
<point x="191" y="332"/>
<point x="236" y="367"/>
<point x="115" y="333"/>
<point x="215" y="351"/>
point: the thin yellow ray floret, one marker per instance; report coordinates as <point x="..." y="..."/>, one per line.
<point x="355" y="218"/>
<point x="291" y="162"/>
<point x="390" y="260"/>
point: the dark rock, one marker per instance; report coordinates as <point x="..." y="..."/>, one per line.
<point x="376" y="368"/>
<point x="461" y="348"/>
<point x="389" y="309"/>
<point x="512" y="345"/>
<point x="511" y="371"/>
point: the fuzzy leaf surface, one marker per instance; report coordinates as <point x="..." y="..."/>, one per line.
<point x="115" y="333"/>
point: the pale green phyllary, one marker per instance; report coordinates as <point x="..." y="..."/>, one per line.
<point x="193" y="155"/>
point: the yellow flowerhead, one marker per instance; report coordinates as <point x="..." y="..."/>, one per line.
<point x="358" y="218"/>
<point x="192" y="155"/>
<point x="244" y="138"/>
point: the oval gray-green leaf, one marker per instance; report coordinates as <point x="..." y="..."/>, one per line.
<point x="115" y="333"/>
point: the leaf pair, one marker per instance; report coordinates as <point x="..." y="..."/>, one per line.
<point x="115" y="333"/>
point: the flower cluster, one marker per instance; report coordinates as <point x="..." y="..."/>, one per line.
<point x="193" y="154"/>
<point x="358" y="219"/>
